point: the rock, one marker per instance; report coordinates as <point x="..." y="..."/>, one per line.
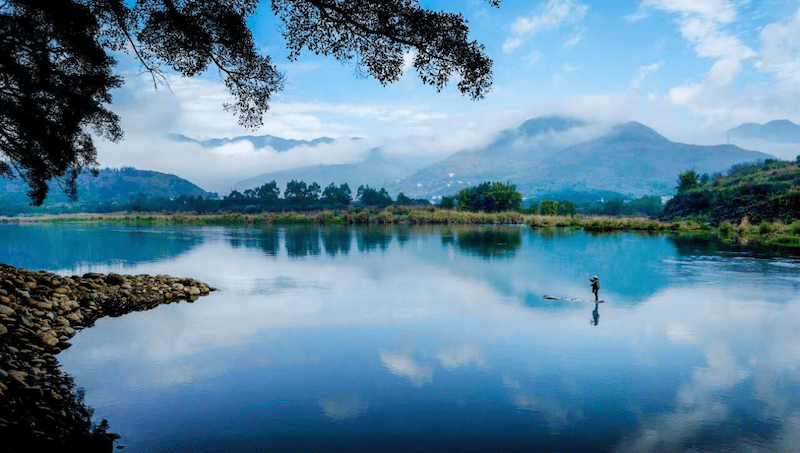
<point x="61" y="290"/>
<point x="24" y="293"/>
<point x="177" y="287"/>
<point x="3" y="329"/>
<point x="74" y="317"/>
<point x="31" y="285"/>
<point x="115" y="279"/>
<point x="193" y="291"/>
<point x="44" y="305"/>
<point x="6" y="310"/>
<point x="18" y="376"/>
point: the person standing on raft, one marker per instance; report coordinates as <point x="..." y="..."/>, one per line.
<point x="595" y="286"/>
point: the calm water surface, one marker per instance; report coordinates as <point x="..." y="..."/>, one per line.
<point x="435" y="339"/>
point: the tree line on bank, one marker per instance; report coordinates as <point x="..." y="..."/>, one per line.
<point x="303" y="197"/>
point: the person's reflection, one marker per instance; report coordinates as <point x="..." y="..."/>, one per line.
<point x="595" y="314"/>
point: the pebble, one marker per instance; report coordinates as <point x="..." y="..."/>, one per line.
<point x="40" y="312"/>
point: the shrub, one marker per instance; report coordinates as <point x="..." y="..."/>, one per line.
<point x="766" y="228"/>
<point x="725" y="229"/>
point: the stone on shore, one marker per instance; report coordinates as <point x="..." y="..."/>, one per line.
<point x="39" y="313"/>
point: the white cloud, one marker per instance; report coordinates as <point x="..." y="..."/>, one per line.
<point x="703" y="24"/>
<point x="717" y="10"/>
<point x="643" y="72"/>
<point x="534" y="57"/>
<point x="780" y="52"/>
<point x="546" y="17"/>
<point x="573" y="41"/>
<point x="636" y="16"/>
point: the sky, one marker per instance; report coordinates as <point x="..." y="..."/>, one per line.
<point x="690" y="69"/>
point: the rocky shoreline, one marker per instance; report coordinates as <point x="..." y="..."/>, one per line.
<point x="39" y="313"/>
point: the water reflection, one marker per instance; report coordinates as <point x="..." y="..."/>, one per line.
<point x="56" y="246"/>
<point x="337" y="240"/>
<point x="372" y="238"/>
<point x="302" y="241"/>
<point x="596" y="314"/>
<point x="343" y="406"/>
<point x="431" y="339"/>
<point x="265" y="239"/>
<point x="490" y="243"/>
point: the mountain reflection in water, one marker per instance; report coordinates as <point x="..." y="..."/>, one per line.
<point x="437" y="339"/>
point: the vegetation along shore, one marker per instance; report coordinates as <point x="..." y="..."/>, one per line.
<point x="765" y="233"/>
<point x="39" y="313"/>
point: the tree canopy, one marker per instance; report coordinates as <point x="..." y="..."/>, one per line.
<point x="490" y="197"/>
<point x="57" y="63"/>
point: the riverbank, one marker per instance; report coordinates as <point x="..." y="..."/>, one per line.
<point x="769" y="234"/>
<point x="39" y="313"/>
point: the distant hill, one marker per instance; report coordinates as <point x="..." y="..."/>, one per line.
<point x="510" y="157"/>
<point x="110" y="185"/>
<point x="769" y="191"/>
<point x="376" y="170"/>
<point x="258" y="141"/>
<point x="631" y="159"/>
<point x="783" y="131"/>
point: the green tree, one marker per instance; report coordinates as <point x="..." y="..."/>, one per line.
<point x="57" y="65"/>
<point x="337" y="196"/>
<point x="298" y="193"/>
<point x="613" y="206"/>
<point x="373" y="197"/>
<point x="448" y="203"/>
<point x="565" y="208"/>
<point x="687" y="181"/>
<point x="490" y="197"/>
<point x="548" y="207"/>
<point x="295" y="191"/>
<point x="268" y="193"/>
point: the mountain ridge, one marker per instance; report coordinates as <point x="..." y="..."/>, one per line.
<point x="630" y="158"/>
<point x="780" y="131"/>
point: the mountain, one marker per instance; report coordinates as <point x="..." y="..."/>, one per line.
<point x="783" y="131"/>
<point x="109" y="185"/>
<point x="258" y="141"/>
<point x="376" y="170"/>
<point x="631" y="159"/>
<point x="510" y="156"/>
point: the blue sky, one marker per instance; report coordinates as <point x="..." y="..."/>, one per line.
<point x="691" y="69"/>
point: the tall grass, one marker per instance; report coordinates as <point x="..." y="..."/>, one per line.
<point x="766" y="233"/>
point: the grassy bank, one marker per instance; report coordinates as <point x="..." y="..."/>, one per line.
<point x="765" y="233"/>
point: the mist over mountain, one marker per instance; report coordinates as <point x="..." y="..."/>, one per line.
<point x="630" y="158"/>
<point x="783" y="131"/>
<point x="258" y="141"/>
<point x="377" y="169"/>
